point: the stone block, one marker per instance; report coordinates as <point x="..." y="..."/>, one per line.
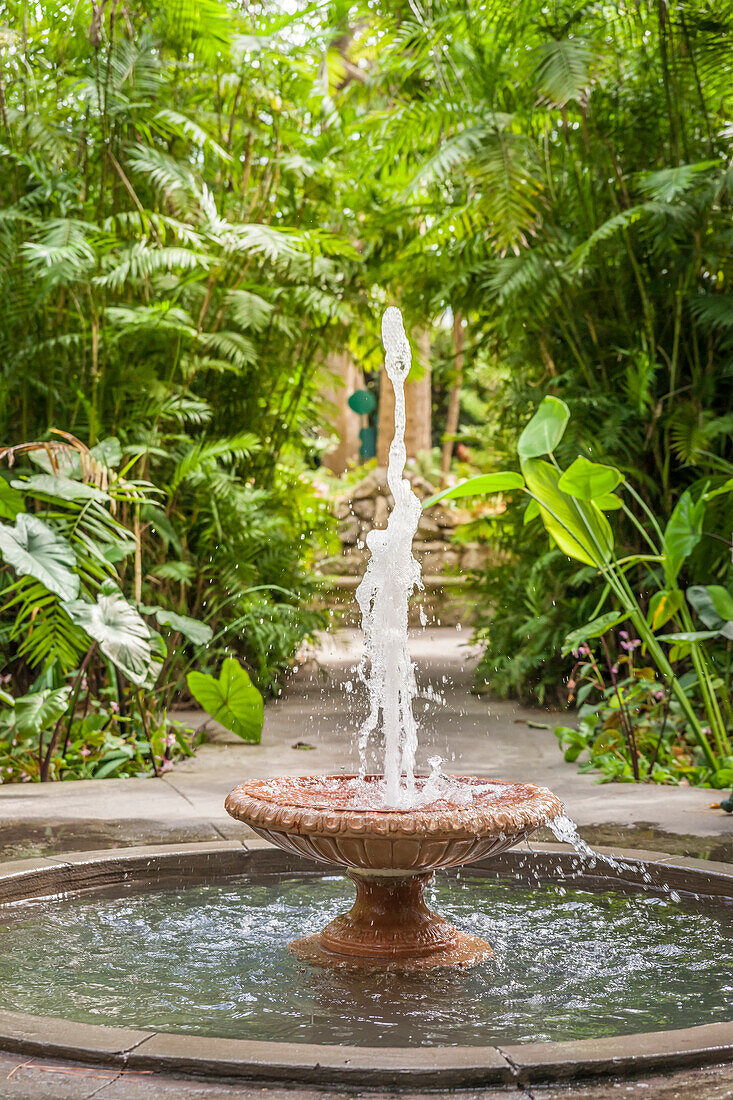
<point x="349" y="530"/>
<point x="363" y="507"/>
<point x="428" y="526"/>
<point x="473" y="556"/>
<point x="366" y="488"/>
<point x="381" y="512"/>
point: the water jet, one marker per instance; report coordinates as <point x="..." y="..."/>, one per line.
<point x="391" y="832"/>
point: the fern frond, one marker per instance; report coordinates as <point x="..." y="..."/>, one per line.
<point x="247" y="310"/>
<point x="231" y="346"/>
<point x="668" y="184"/>
<point x="563" y="71"/>
<point x="207" y="452"/>
<point x="142" y="262"/>
<point x="713" y="311"/>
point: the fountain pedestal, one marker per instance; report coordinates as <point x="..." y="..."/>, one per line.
<point x="390" y="922"/>
<point x="391" y="854"/>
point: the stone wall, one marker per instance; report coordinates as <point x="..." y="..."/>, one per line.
<point x="367" y="505"/>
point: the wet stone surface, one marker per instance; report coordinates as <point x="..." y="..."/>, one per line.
<point x="23" y="1078"/>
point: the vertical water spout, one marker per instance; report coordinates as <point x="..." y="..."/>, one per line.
<point x="390" y="579"/>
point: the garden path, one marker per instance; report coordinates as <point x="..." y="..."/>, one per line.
<point x="489" y="737"/>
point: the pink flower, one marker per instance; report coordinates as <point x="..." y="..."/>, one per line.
<point x="165" y="766"/>
<point x="114" y="707"/>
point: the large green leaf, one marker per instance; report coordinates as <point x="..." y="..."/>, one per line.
<point x="197" y="632"/>
<point x="609" y="502"/>
<point x="592" y="629"/>
<point x="578" y="527"/>
<point x="589" y="480"/>
<point x="55" y="485"/>
<point x="714" y="606"/>
<point x="545" y="429"/>
<point x="34" y="550"/>
<point x="118" y="629"/>
<point x="40" y="710"/>
<point x="11" y="501"/>
<point x="663" y="606"/>
<point x="232" y="700"/>
<point x="682" y="534"/>
<point x="722" y="600"/>
<point x="500" y="482"/>
<point x="687" y="637"/>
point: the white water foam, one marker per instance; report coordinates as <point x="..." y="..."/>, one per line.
<point x="391" y="577"/>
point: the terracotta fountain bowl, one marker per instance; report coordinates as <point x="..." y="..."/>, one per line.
<point x="391" y="854"/>
<point x="320" y="817"/>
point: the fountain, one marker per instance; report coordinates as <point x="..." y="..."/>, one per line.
<point x="170" y="957"/>
<point x="390" y="832"/>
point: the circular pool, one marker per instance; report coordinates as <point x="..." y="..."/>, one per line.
<point x="175" y="958"/>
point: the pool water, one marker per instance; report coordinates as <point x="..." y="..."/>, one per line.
<point x="212" y="960"/>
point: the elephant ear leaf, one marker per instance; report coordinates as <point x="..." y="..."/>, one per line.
<point x="120" y="632"/>
<point x="40" y="710"/>
<point x="589" y="480"/>
<point x="682" y="534"/>
<point x="192" y="629"/>
<point x="545" y="430"/>
<point x="232" y="699"/>
<point x="500" y="482"/>
<point x="34" y="550"/>
<point x="578" y="527"/>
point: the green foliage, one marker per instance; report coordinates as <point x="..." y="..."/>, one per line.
<point x="33" y="550"/>
<point x="630" y="726"/>
<point x="77" y="664"/>
<point x="171" y="265"/>
<point x="601" y="278"/>
<point x="118" y="630"/>
<point x="101" y="744"/>
<point x="545" y="429"/>
<point x="581" y="531"/>
<point x="232" y="700"/>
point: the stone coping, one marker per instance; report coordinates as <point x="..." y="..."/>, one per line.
<point x="350" y="1067"/>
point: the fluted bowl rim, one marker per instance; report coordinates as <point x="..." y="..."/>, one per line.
<point x="256" y="803"/>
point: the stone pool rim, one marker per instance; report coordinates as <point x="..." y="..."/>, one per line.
<point x="165" y="865"/>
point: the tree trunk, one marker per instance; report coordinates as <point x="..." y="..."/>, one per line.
<point x="418" y="401"/>
<point x="344" y="420"/>
<point x="454" y="398"/>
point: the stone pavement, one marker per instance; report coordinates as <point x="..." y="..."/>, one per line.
<point x="474" y="734"/>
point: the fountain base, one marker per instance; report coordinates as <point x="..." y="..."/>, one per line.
<point x="389" y="924"/>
